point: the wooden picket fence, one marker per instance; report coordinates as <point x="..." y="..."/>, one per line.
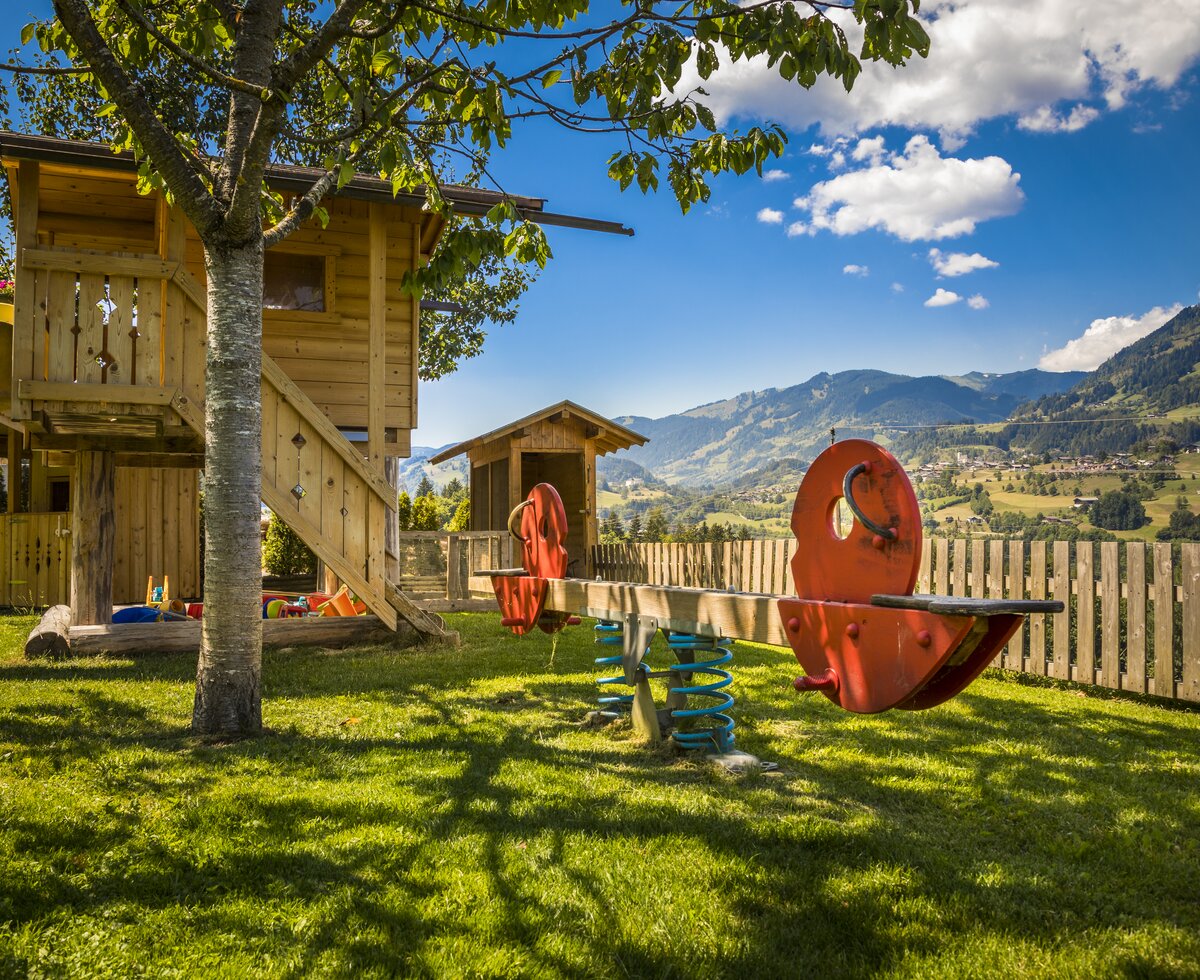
<point x="1132" y="617"/>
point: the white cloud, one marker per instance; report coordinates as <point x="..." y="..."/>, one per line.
<point x="1103" y="338"/>
<point x="769" y="216"/>
<point x="771" y="176"/>
<point x="871" y="150"/>
<point x="1045" y="120"/>
<point x="855" y="270"/>
<point x="897" y="287"/>
<point x="796" y="228"/>
<point x="988" y="59"/>
<point x="978" y="302"/>
<point x="916" y="194"/>
<point x="951" y="264"/>
<point x="943" y="297"/>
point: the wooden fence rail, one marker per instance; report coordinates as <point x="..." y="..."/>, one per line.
<point x="1132" y="617"/>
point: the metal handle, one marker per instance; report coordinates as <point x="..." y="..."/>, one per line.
<point x="514" y="516"/>
<point x="887" y="533"/>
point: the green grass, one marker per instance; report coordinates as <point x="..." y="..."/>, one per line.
<point x="467" y="826"/>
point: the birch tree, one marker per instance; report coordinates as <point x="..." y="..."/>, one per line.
<point x="400" y="88"/>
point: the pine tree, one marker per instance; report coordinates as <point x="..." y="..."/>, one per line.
<point x="461" y="521"/>
<point x="404" y="511"/>
<point x="656" y="525"/>
<point x="425" y="488"/>
<point x="635" y="528"/>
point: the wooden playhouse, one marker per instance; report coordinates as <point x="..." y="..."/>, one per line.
<point x="557" y="445"/>
<point x="104" y="406"/>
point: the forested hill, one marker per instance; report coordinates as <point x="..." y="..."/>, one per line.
<point x="721" y="441"/>
<point x="1151" y="391"/>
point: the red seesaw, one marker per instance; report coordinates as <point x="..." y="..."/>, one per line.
<point x="863" y="638"/>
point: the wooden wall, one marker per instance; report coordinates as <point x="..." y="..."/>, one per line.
<point x="158" y="532"/>
<point x="532" y="456"/>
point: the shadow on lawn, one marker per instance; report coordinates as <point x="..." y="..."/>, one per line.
<point x="1050" y="850"/>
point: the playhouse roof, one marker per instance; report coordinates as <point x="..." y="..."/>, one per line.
<point x="609" y="435"/>
<point x="285" y="177"/>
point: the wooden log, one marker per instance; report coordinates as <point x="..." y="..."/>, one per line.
<point x="93" y="537"/>
<point x="331" y="632"/>
<point x="49" y="638"/>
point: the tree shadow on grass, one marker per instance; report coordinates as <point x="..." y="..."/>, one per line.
<point x="493" y="822"/>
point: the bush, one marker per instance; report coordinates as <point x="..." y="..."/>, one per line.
<point x="284" y="553"/>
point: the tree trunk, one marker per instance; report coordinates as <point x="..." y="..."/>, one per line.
<point x="228" y="694"/>
<point x="93" y="537"/>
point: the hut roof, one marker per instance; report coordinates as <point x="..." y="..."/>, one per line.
<point x="609" y="435"/>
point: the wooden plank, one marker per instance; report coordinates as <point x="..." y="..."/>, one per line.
<point x="1085" y="615"/>
<point x="99" y="264"/>
<point x="1164" y="622"/>
<point x="172" y="248"/>
<point x="923" y="573"/>
<point x="995" y="589"/>
<point x="147" y="366"/>
<point x="425" y="624"/>
<point x="124" y="340"/>
<point x="1061" y="667"/>
<point x="1110" y="615"/>
<point x="329" y="632"/>
<point x="376" y="336"/>
<point x="333" y="474"/>
<point x="779" y="583"/>
<point x="1189" y="687"/>
<point x="1016" y="590"/>
<point x="58" y="336"/>
<point x="90" y="363"/>
<point x="941" y="566"/>
<point x="959" y="568"/>
<point x="25" y="288"/>
<point x="454" y="588"/>
<point x="1037" y="590"/>
<point x="978" y="573"/>
<point x="744" y="616"/>
<point x="756" y="566"/>
<point x="1135" y="629"/>
<point x="98" y="394"/>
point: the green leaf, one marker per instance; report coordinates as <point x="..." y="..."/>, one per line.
<point x="551" y="77"/>
<point x="28" y="32"/>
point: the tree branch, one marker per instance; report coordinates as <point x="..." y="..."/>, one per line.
<point x="202" y="66"/>
<point x="177" y="170"/>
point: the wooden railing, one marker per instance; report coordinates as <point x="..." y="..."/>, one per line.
<point x="436" y="566"/>
<point x="1132" y="618"/>
<point x="123" y="320"/>
<point x="35" y="559"/>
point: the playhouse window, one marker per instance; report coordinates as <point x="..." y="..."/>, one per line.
<point x="294" y="282"/>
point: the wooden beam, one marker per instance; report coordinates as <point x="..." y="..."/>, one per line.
<point x="429" y="626"/>
<point x="25" y="290"/>
<point x="114" y="395"/>
<point x="184" y="637"/>
<point x="142" y="266"/>
<point x="14" y="470"/>
<point x="738" y="615"/>
<point x="376" y="335"/>
<point x="93" y="537"/>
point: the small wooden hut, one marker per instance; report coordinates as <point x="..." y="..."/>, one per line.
<point x="557" y="445"/>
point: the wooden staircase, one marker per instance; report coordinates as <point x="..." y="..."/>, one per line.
<point x="316" y="481"/>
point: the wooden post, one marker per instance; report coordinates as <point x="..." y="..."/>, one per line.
<point x="14" y="470"/>
<point x="24" y="298"/>
<point x="377" y="334"/>
<point x="93" y="538"/>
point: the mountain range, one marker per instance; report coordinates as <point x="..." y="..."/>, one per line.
<point x="727" y="442"/>
<point x="719" y="442"/>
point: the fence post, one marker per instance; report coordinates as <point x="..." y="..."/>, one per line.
<point x="1062" y="620"/>
<point x="1110" y="615"/>
<point x="1190" y="562"/>
<point x="1085" y="613"/>
<point x="453" y="569"/>
<point x="1164" y="622"/>
<point x="1135" y="630"/>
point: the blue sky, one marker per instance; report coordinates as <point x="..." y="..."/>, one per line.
<point x="1055" y="158"/>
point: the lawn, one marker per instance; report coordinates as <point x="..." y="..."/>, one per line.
<point x="442" y="813"/>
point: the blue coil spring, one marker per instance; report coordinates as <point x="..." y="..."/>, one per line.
<point x="610" y="634"/>
<point x="718" y="734"/>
